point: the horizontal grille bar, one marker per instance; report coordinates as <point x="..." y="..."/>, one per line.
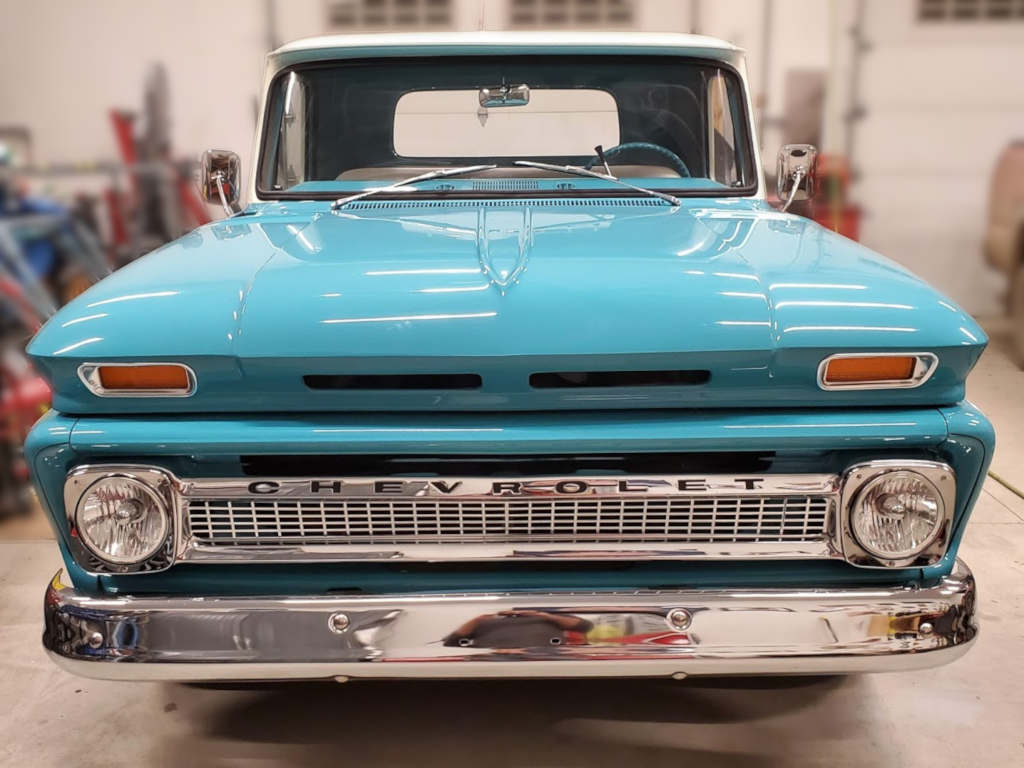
<point x="236" y="522"/>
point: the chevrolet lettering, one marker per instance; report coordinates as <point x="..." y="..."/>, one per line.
<point x="469" y="486"/>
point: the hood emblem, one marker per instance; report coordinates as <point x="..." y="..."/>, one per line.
<point x="504" y="239"/>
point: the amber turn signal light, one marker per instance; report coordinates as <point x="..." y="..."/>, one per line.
<point x="876" y="371"/>
<point x="143" y="377"/>
<point x="845" y="370"/>
<point x="138" y="379"/>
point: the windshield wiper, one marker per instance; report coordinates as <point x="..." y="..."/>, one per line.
<point x="575" y="170"/>
<point x="398" y="185"/>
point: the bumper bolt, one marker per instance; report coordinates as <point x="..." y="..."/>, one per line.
<point x="95" y="640"/>
<point x="679" y="619"/>
<point x="338" y="622"/>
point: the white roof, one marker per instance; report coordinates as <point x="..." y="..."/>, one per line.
<point x="343" y="46"/>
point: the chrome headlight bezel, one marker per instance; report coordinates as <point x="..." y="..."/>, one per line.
<point x="939" y="475"/>
<point x="161" y="484"/>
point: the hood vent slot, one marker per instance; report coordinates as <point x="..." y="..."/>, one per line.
<point x="396" y="381"/>
<point x="583" y="379"/>
<point x="383" y="205"/>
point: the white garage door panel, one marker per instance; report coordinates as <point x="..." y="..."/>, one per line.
<point x="934" y="143"/>
<point x="941" y="102"/>
<point x="932" y="202"/>
<point x="948" y="76"/>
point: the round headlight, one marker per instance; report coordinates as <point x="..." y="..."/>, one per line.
<point x="122" y="520"/>
<point x="897" y="515"/>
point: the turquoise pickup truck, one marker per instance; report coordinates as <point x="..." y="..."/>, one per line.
<point x="506" y="368"/>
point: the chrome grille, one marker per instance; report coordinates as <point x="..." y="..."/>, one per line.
<point x="248" y="522"/>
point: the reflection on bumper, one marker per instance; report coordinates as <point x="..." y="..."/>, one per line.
<point x="655" y="633"/>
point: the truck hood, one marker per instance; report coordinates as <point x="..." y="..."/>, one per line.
<point x="749" y="298"/>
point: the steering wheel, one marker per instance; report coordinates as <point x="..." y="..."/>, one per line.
<point x="674" y="160"/>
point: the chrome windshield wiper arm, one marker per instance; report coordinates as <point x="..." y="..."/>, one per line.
<point x="398" y="185"/>
<point x="575" y="170"/>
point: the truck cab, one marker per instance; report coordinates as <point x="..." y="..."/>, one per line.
<point x="506" y="368"/>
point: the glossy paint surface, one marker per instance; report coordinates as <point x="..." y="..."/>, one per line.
<point x="826" y="440"/>
<point x="512" y="433"/>
<point x="503" y="289"/>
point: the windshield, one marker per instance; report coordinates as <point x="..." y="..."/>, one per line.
<point x="666" y="123"/>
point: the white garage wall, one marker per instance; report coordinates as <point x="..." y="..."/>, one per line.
<point x="64" y="65"/>
<point x="941" y="101"/>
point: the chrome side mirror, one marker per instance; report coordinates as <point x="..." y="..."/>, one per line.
<point x="218" y="180"/>
<point x="795" y="173"/>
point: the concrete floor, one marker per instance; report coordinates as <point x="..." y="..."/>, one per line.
<point x="968" y="713"/>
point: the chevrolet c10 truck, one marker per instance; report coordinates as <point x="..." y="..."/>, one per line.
<point x="507" y="368"/>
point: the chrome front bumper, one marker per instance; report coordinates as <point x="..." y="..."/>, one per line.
<point x="596" y="634"/>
